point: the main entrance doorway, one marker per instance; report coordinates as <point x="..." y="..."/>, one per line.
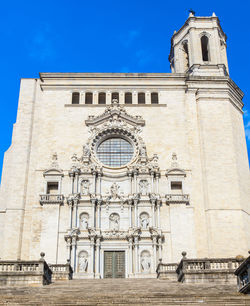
<point x="114" y="264"/>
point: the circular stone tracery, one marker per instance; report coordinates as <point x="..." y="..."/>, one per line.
<point x="115" y="152"/>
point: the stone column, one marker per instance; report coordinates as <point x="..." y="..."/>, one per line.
<point x="71" y="175"/>
<point x="130" y="255"/>
<point x="98" y="223"/>
<point x="154" y="253"/>
<point x="131" y="182"/>
<point x="158" y="214"/>
<point x="74" y="239"/>
<point x="76" y="180"/>
<point x="76" y="211"/>
<point x="135" y="181"/>
<point x="153" y="212"/>
<point x="99" y="182"/>
<point x="160" y="247"/>
<point x="97" y="262"/>
<point x="92" y="259"/>
<point x="130" y="213"/>
<point x="70" y="212"/>
<point x="136" y="254"/>
<point x="136" y="212"/>
<point x="93" y="201"/>
<point x="152" y="181"/>
<point x="157" y="182"/>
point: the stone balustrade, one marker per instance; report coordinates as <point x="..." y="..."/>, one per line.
<point x="24" y="272"/>
<point x="207" y="270"/>
<point x="61" y="271"/>
<point x="243" y="276"/>
<point x="177" y="198"/>
<point x="51" y="199"/>
<point x="167" y="271"/>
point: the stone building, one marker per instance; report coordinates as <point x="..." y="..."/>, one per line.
<point x="115" y="171"/>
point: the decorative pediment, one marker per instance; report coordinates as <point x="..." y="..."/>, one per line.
<point x="115" y="113"/>
<point x="53" y="172"/>
<point x="175" y="172"/>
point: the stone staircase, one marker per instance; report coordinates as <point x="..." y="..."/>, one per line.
<point x="123" y="292"/>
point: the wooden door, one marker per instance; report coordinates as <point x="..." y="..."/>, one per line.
<point x="114" y="264"/>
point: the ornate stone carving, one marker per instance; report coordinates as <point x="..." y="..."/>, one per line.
<point x="114" y="221"/>
<point x="145" y="262"/>
<point x="85" y="184"/>
<point x="143" y="187"/>
<point x="83" y="261"/>
<point x="144" y="217"/>
<point x="84" y="221"/>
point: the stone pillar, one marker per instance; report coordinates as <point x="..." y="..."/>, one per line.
<point x="99" y="183"/>
<point x="93" y="201"/>
<point x="136" y="254"/>
<point x="76" y="211"/>
<point x="153" y="212"/>
<point x="74" y="239"/>
<point x="152" y="181"/>
<point x="97" y="262"/>
<point x="154" y="253"/>
<point x="71" y="175"/>
<point x="135" y="181"/>
<point x="158" y="214"/>
<point x="131" y="182"/>
<point x="98" y="223"/>
<point x="160" y="247"/>
<point x="130" y="256"/>
<point x="130" y="213"/>
<point x="136" y="212"/>
<point x="157" y="182"/>
<point x="70" y="212"/>
<point x="92" y="259"/>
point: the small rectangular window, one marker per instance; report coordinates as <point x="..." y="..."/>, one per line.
<point x="154" y="98"/>
<point x="128" y="98"/>
<point x="52" y="188"/>
<point x="75" y="97"/>
<point x="176" y="187"/>
<point x="88" y="98"/>
<point x="102" y="98"/>
<point x="141" y="98"/>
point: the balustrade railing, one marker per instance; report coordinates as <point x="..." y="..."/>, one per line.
<point x="51" y="199"/>
<point x="61" y="271"/>
<point x="206" y="265"/>
<point x="177" y="198"/>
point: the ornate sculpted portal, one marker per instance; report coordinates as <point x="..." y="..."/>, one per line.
<point x="115" y="202"/>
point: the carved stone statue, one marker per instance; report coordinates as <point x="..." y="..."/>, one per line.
<point x="83" y="262"/>
<point x="85" y="187"/>
<point x="114" y="189"/>
<point x="144" y="220"/>
<point x="84" y="221"/>
<point x="114" y="220"/>
<point x="145" y="262"/>
<point x="86" y="151"/>
<point x="143" y="151"/>
<point x="143" y="187"/>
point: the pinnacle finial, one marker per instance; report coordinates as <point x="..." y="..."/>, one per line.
<point x="213" y="15"/>
<point x="192" y="13"/>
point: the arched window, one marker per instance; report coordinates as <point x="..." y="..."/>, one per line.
<point x="154" y="98"/>
<point x="204" y="48"/>
<point x="185" y="55"/>
<point x="88" y="98"/>
<point x="115" y="95"/>
<point x="75" y="98"/>
<point x="141" y="98"/>
<point x="102" y="98"/>
<point x="128" y="98"/>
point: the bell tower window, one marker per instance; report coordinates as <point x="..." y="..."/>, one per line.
<point x="204" y="48"/>
<point x="185" y="56"/>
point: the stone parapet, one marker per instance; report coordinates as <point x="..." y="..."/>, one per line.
<point x="61" y="272"/>
<point x="24" y="273"/>
<point x="167" y="271"/>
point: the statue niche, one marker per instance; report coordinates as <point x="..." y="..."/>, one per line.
<point x="83" y="261"/>
<point x="143" y="187"/>
<point x="145" y="262"/>
<point x="85" y="187"/>
<point x="144" y="220"/>
<point x="114" y="222"/>
<point x="84" y="221"/>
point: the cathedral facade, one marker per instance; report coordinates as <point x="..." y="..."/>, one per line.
<point x="116" y="171"/>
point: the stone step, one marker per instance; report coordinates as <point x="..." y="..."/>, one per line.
<point x="123" y="292"/>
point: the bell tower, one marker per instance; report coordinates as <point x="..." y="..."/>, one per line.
<point x="199" y="47"/>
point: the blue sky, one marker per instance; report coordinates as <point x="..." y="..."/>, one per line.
<point x="105" y="36"/>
